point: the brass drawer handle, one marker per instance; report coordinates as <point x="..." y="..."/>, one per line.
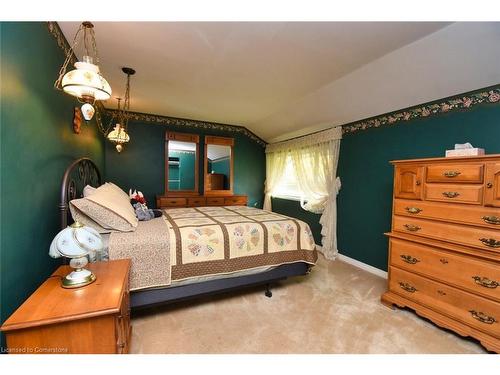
<point x="413" y="210"/>
<point x="409" y="259"/>
<point x="451" y="173"/>
<point x="417" y="182"/>
<point x="441" y="293"/>
<point x="451" y="194"/>
<point x="489" y="185"/>
<point x="491" y="219"/>
<point x="443" y="260"/>
<point x="490" y="242"/>
<point x="412" y="228"/>
<point x="407" y="287"/>
<point x="484" y="281"/>
<point x="482" y="317"/>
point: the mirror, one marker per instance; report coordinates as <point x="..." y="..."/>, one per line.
<point x="181" y="162"/>
<point x="218" y="165"/>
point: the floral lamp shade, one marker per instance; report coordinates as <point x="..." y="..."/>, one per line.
<point x="75" y="242"/>
<point x="86" y="82"/>
<point x="118" y="136"/>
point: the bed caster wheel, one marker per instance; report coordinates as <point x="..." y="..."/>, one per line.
<point x="268" y="293"/>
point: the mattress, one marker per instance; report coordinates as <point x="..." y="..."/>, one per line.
<point x="205" y="243"/>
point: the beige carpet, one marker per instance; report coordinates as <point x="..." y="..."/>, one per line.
<point x="336" y="309"/>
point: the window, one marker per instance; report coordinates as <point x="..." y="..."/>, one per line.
<point x="288" y="187"/>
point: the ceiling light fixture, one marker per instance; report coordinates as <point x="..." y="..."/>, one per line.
<point x="85" y="82"/>
<point x="119" y="135"/>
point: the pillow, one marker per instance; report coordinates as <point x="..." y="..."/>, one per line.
<point x="106" y="209"/>
<point x="115" y="188"/>
<point x="88" y="190"/>
<point x="83" y="211"/>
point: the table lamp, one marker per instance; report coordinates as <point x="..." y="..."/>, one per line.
<point x="75" y="242"/>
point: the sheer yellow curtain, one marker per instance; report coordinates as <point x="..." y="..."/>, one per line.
<point x="275" y="167"/>
<point x="315" y="159"/>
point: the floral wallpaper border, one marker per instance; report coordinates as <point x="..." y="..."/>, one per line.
<point x="196" y="124"/>
<point x="463" y="101"/>
<point x="62" y="42"/>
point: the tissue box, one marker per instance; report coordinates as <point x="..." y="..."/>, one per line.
<point x="465" y="152"/>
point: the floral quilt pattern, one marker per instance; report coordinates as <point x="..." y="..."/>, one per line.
<point x="211" y="240"/>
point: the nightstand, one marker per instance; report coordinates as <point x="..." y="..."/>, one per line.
<point x="91" y="319"/>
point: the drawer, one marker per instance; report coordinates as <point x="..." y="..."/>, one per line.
<point x="468" y="173"/>
<point x="196" y="202"/>
<point x="468" y="308"/>
<point x="470" y="194"/>
<point x="212" y="201"/>
<point x="235" y="201"/>
<point x="475" y="275"/>
<point x="173" y="202"/>
<point x="483" y="216"/>
<point x="482" y="238"/>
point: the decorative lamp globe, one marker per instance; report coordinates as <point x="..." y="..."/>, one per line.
<point x="76" y="242"/>
<point x="85" y="82"/>
<point x="88" y="111"/>
<point x="119" y="136"/>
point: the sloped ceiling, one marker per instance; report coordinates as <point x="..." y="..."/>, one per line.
<point x="281" y="79"/>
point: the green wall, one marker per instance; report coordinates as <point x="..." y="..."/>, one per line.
<point x="37" y="144"/>
<point x="365" y="200"/>
<point x="141" y="164"/>
<point x="182" y="172"/>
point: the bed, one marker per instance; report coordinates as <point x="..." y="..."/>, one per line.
<point x="194" y="252"/>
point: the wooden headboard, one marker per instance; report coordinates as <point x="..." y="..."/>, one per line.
<point x="80" y="173"/>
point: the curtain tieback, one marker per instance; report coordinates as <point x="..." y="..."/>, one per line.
<point x="337" y="185"/>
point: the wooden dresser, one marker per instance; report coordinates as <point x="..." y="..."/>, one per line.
<point x="215" y="181"/>
<point x="91" y="319"/>
<point x="444" y="246"/>
<point x="168" y="201"/>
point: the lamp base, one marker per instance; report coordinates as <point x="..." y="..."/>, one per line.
<point x="78" y="278"/>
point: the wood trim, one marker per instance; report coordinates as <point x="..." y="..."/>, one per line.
<point x="449" y="159"/>
<point x="491" y="343"/>
<point x="222" y="141"/>
<point x="182" y="137"/>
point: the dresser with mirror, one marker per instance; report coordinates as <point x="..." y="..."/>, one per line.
<point x="182" y="167"/>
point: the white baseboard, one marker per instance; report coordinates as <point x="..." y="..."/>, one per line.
<point x="358" y="264"/>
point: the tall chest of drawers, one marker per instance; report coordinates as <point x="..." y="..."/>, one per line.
<point x="444" y="245"/>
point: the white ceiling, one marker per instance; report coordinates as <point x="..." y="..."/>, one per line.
<point x="279" y="78"/>
<point x="181" y="146"/>
<point x="218" y="151"/>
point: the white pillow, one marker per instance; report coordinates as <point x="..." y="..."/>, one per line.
<point x="115" y="188"/>
<point x="108" y="207"/>
<point x="88" y="190"/>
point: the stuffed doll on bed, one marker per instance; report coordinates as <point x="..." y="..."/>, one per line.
<point x="142" y="211"/>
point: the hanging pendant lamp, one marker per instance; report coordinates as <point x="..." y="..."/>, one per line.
<point x="85" y="82"/>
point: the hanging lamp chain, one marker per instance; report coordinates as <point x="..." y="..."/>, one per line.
<point x="88" y="32"/>
<point x="126" y="104"/>
<point x="94" y="47"/>
<point x="69" y="55"/>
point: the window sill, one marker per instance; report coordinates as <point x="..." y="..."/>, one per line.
<point x="287" y="197"/>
